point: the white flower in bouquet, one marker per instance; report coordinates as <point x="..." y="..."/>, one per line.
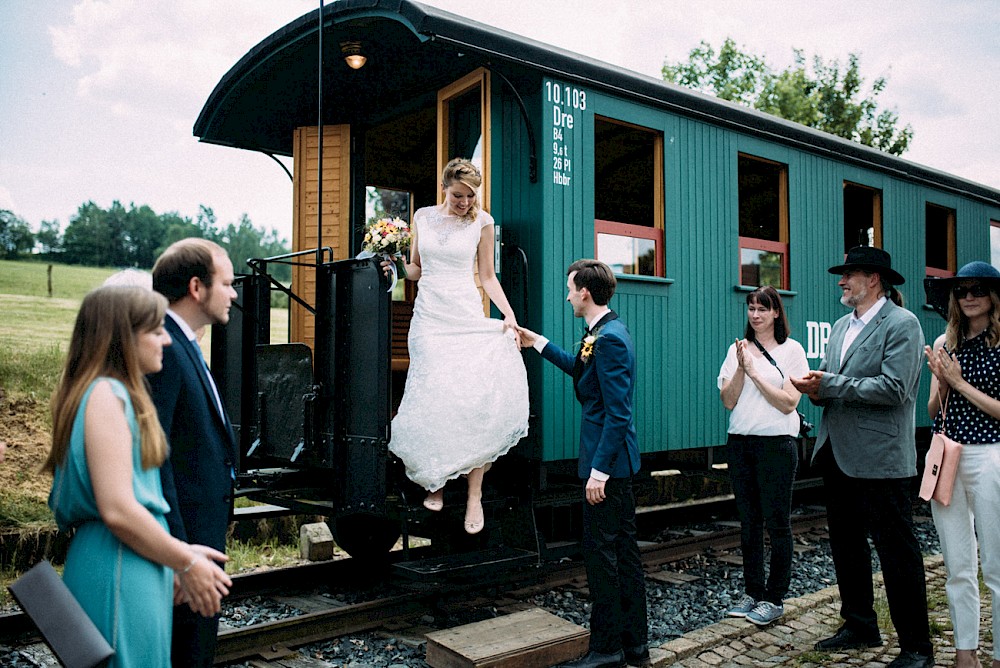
<point x="387" y="236"/>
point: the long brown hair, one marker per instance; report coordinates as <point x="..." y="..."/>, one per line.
<point x="769" y="298"/>
<point x="958" y="325"/>
<point x="461" y="170"/>
<point x="104" y="345"/>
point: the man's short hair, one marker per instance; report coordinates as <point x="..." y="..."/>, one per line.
<point x="597" y="277"/>
<point x="182" y="261"/>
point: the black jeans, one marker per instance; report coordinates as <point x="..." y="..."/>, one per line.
<point x="614" y="570"/>
<point x="882" y="507"/>
<point x="761" y="469"/>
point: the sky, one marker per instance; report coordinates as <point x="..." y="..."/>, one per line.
<point x="98" y="97"/>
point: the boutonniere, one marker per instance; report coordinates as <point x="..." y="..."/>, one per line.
<point x="587" y="346"/>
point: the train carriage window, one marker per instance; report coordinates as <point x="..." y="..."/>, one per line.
<point x="940" y="241"/>
<point x="763" y="216"/>
<point x="862" y="216"/>
<point x="995" y="243"/>
<point x="628" y="197"/>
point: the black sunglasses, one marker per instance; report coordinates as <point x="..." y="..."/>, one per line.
<point x="977" y="291"/>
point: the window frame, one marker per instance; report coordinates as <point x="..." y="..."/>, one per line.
<point x="950" y="232"/>
<point x="877" y="210"/>
<point x="781" y="246"/>
<point x="617" y="229"/>
<point x="752" y="243"/>
<point x="655" y="232"/>
<point x="994" y="225"/>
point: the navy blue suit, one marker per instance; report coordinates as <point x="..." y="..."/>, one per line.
<point x="605" y="387"/>
<point x="197" y="477"/>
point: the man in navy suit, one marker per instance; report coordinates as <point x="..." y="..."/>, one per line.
<point x="196" y="277"/>
<point x="603" y="372"/>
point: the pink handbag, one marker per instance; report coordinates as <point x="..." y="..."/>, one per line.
<point x="940" y="466"/>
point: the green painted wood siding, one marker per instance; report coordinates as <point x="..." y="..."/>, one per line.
<point x="683" y="324"/>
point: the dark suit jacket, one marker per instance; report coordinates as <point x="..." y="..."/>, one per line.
<point x="605" y="386"/>
<point x="197" y="477"/>
<point x="869" y="397"/>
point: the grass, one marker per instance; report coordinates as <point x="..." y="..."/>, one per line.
<point x="247" y="555"/>
<point x="34" y="334"/>
<point x="21" y="511"/>
<point x="30" y="279"/>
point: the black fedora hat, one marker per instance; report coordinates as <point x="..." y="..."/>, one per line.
<point x="939" y="289"/>
<point x="870" y="259"/>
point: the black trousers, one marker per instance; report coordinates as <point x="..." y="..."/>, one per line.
<point x="194" y="639"/>
<point x="883" y="508"/>
<point x="761" y="469"/>
<point x="614" y="570"/>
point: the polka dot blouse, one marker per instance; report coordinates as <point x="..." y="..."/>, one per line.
<point x="981" y="368"/>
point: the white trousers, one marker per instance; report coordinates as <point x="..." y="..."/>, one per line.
<point x="974" y="512"/>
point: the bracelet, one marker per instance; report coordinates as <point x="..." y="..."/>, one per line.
<point x="188" y="567"/>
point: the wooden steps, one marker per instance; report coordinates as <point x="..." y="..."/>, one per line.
<point x="528" y="639"/>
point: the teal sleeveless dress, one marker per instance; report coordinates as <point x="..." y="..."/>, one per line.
<point x="128" y="597"/>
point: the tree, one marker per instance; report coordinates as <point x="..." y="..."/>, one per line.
<point x="244" y="241"/>
<point x="48" y="237"/>
<point x="88" y="238"/>
<point x="16" y="238"/>
<point x="824" y="96"/>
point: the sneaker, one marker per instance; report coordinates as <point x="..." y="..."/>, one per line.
<point x="742" y="607"/>
<point x="764" y="613"/>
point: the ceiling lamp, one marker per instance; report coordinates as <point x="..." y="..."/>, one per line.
<point x="352" y="54"/>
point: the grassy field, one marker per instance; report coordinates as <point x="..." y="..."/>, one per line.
<point x="34" y="335"/>
<point x="35" y="328"/>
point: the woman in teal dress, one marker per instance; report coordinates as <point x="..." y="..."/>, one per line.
<point x="107" y="445"/>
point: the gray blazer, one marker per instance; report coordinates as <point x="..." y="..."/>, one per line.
<point x="869" y="397"/>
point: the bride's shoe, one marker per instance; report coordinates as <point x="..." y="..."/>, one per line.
<point x="474" y="520"/>
<point x="434" y="501"/>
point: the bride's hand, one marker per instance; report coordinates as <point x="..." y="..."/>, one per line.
<point x="511" y="324"/>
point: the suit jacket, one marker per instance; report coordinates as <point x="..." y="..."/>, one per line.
<point x="605" y="387"/>
<point x="197" y="477"/>
<point x="869" y="396"/>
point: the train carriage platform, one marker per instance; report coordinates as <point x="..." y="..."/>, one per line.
<point x="732" y="642"/>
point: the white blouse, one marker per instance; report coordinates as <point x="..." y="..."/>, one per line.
<point x="753" y="415"/>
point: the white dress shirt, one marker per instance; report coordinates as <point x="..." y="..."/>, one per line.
<point x="856" y="324"/>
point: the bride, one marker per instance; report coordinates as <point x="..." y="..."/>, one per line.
<point x="465" y="403"/>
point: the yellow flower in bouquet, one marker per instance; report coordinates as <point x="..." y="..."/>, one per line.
<point x="387" y="236"/>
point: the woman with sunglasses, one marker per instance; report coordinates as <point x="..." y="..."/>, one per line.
<point x="965" y="363"/>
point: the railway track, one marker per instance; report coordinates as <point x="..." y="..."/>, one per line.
<point x="324" y="617"/>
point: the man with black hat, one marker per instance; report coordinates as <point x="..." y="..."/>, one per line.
<point x="867" y="385"/>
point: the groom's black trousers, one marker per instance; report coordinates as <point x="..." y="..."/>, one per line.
<point x="614" y="570"/>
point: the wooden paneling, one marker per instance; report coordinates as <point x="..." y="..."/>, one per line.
<point x="305" y="219"/>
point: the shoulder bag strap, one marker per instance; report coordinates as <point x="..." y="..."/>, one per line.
<point x="767" y="355"/>
<point x="944" y="406"/>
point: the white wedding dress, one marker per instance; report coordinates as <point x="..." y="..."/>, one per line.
<point x="465" y="403"/>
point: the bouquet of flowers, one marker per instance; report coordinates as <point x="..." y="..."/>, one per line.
<point x="388" y="238"/>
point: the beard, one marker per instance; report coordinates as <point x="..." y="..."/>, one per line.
<point x="854" y="298"/>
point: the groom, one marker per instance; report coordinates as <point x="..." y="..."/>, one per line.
<point x="603" y="372"/>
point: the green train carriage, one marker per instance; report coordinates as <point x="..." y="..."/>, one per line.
<point x="694" y="201"/>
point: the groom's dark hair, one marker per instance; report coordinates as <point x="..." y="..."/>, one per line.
<point x="597" y="277"/>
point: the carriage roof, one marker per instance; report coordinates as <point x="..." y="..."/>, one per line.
<point x="412" y="48"/>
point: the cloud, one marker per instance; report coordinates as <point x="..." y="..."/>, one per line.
<point x="7" y="199"/>
<point x="143" y="59"/>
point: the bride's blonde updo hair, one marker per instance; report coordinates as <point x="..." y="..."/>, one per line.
<point x="461" y="170"/>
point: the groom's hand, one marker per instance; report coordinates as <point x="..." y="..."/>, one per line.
<point x="528" y="337"/>
<point x="595" y="491"/>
